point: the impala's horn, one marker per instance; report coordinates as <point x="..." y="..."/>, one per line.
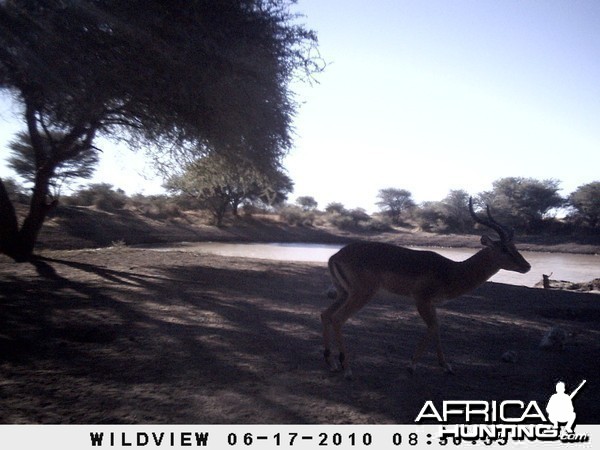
<point x="506" y="234"/>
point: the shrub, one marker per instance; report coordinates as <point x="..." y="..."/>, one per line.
<point x="429" y="216"/>
<point x="342" y="221"/>
<point x="156" y="206"/>
<point x="101" y="195"/>
<point x="294" y="215"/>
<point x="358" y="220"/>
<point x="335" y="207"/>
<point x="377" y="225"/>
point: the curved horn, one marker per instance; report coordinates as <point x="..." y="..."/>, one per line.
<point x="506" y="234"/>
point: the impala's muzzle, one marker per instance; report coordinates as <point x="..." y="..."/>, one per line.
<point x="526" y="267"/>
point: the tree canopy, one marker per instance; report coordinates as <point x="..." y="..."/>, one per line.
<point x="221" y="184"/>
<point x="179" y="75"/>
<point x="586" y="202"/>
<point x="523" y="201"/>
<point x="394" y="202"/>
<point x="82" y="165"/>
<point x="307" y="202"/>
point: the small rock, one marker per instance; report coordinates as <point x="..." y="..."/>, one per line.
<point x="554" y="339"/>
<point x="510" y="356"/>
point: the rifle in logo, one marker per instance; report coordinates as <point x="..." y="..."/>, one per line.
<point x="560" y="407"/>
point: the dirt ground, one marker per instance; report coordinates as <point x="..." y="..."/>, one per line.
<point x="122" y="335"/>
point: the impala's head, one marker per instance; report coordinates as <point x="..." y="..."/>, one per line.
<point x="505" y="252"/>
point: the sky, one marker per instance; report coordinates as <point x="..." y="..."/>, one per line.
<point x="429" y="96"/>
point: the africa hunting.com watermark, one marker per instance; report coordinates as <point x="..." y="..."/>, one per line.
<point x="506" y="420"/>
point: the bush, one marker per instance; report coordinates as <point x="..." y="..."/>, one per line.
<point x="358" y="220"/>
<point x="109" y="202"/>
<point x="296" y="216"/>
<point x="342" y="221"/>
<point x="156" y="206"/>
<point x="335" y="207"/>
<point x="378" y="225"/>
<point x="101" y="195"/>
<point x="429" y="217"/>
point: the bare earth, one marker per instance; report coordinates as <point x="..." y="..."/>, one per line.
<point x="122" y="335"/>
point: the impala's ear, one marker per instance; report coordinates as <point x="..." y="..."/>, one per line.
<point x="486" y="241"/>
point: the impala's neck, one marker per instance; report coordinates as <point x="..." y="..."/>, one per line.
<point x="474" y="271"/>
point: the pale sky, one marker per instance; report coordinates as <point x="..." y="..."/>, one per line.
<point x="433" y="95"/>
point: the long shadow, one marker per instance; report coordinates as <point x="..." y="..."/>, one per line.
<point x="148" y="348"/>
<point x="194" y="343"/>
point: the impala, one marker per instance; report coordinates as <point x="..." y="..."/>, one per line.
<point x="361" y="269"/>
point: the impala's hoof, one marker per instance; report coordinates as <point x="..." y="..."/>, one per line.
<point x="334" y="368"/>
<point x="348" y="374"/>
<point x="449" y="370"/>
<point x="411" y="368"/>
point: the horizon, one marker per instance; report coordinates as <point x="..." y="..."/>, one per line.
<point x="429" y="97"/>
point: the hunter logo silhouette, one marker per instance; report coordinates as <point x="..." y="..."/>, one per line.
<point x="560" y="407"/>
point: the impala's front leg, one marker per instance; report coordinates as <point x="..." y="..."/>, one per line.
<point x="428" y="314"/>
<point x="440" y="354"/>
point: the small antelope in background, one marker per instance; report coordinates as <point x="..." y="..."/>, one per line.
<point x="361" y="269"/>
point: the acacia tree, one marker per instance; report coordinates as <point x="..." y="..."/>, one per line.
<point x="22" y="161"/>
<point x="307" y="203"/>
<point x="394" y="202"/>
<point x="178" y="75"/>
<point x="450" y="215"/>
<point x="221" y="184"/>
<point x="586" y="202"/>
<point x="524" y="202"/>
<point x="455" y="212"/>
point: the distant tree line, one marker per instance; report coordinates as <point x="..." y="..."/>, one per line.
<point x="221" y="185"/>
<point x="529" y="205"/>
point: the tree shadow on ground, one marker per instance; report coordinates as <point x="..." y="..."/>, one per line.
<point x="141" y="338"/>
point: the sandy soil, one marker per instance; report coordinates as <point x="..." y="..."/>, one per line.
<point x="121" y="335"/>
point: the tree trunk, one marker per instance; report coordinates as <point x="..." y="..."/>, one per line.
<point x="38" y="210"/>
<point x="9" y="226"/>
<point x="234" y="208"/>
<point x="19" y="244"/>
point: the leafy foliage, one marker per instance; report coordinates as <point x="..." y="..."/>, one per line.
<point x="181" y="75"/>
<point x="586" y="202"/>
<point x="394" y="202"/>
<point x="335" y="207"/>
<point x="219" y="184"/>
<point x="101" y="195"/>
<point x="307" y="203"/>
<point x="523" y="201"/>
<point x="297" y="216"/>
<point x="22" y="161"/>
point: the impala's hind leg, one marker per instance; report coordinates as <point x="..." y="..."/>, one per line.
<point x="341" y="297"/>
<point x="355" y="301"/>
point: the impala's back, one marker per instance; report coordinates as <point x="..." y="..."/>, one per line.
<point x="374" y="265"/>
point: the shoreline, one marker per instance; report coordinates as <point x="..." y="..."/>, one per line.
<point x="570" y="271"/>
